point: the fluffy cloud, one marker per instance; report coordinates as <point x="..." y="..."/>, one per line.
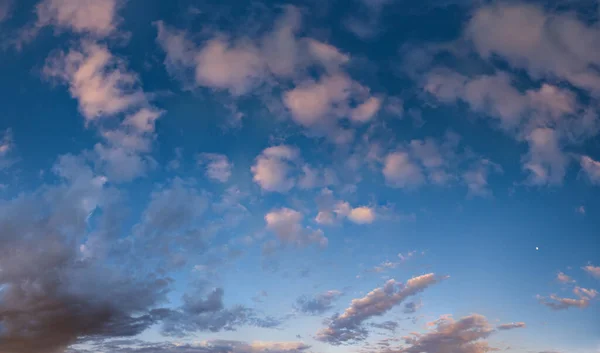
<point x="97" y="79"/>
<point x="218" y="167"/>
<point x="96" y="18"/>
<point x="591" y="169"/>
<point x="104" y="88"/>
<point x="287" y="226"/>
<point x="563" y="278"/>
<point x="272" y="168"/>
<point x="5" y="9"/>
<point x="554" y="45"/>
<point x="401" y="171"/>
<point x="593" y="270"/>
<point x="548" y="117"/>
<point x="348" y="326"/>
<point x="279" y="57"/>
<point x="318" y="304"/>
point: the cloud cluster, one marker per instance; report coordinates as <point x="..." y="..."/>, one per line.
<point x="95" y="18"/>
<point x="278" y="58"/>
<point x="217" y="166"/>
<point x="287" y="226"/>
<point x="53" y="291"/>
<point x="593" y="270"/>
<point x="438" y="163"/>
<point x="549" y="116"/>
<point x="348" y="327"/>
<point x="280" y="168"/>
<point x="105" y="89"/>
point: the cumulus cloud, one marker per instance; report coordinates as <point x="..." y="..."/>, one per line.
<point x="287" y="226"/>
<point x="318" y="304"/>
<point x="218" y="167"/>
<point x="401" y="171"/>
<point x="273" y="167"/>
<point x="97" y="18"/>
<point x="548" y="116"/>
<point x="555" y="45"/>
<point x="563" y="278"/>
<point x="592" y="270"/>
<point x="348" y="327"/>
<point x="278" y="57"/>
<point x="104" y="88"/>
<point x="591" y="169"/>
<point x="97" y="79"/>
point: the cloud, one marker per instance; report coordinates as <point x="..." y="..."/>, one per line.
<point x="358" y="215"/>
<point x="97" y="79"/>
<point x="59" y="286"/>
<point x="412" y="307"/>
<point x="218" y="166"/>
<point x="287" y="226"/>
<point x="273" y="166"/>
<point x="279" y="58"/>
<point x="105" y="88"/>
<point x="558" y="303"/>
<point x="401" y="171"/>
<point x="512" y="325"/>
<point x="318" y="304"/>
<point x="348" y="327"/>
<point x="563" y="278"/>
<point x="555" y="45"/>
<point x="585" y="293"/>
<point x="5" y="9"/>
<point x="592" y="270"/>
<point x="209" y="346"/>
<point x="466" y="335"/>
<point x="591" y="169"/>
<point x="96" y="18"/>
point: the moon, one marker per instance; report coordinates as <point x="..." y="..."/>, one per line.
<point x="536" y="248"/>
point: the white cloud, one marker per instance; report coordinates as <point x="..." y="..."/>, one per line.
<point x="98" y="80"/>
<point x="592" y="270"/>
<point x="218" y="167"/>
<point x="273" y="167"/>
<point x="287" y="226"/>
<point x="563" y="278"/>
<point x="362" y="215"/>
<point x="543" y="43"/>
<point x="401" y="171"/>
<point x="591" y="168"/>
<point x="366" y="111"/>
<point x="97" y="18"/>
<point x="105" y="88"/>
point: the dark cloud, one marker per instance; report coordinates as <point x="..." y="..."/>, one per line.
<point x="319" y="303"/>
<point x="348" y="327"/>
<point x="56" y="285"/>
<point x="412" y="307"/>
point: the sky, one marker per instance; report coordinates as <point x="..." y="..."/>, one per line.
<point x="316" y="176"/>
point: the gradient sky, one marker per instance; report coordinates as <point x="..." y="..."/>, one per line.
<point x="370" y="176"/>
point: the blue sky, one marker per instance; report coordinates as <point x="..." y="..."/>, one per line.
<point x="380" y="176"/>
